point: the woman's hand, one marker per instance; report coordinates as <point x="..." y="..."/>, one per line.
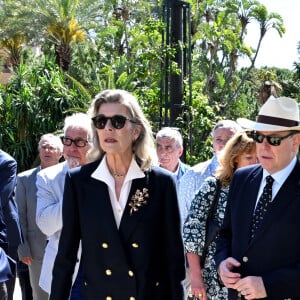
<point x="198" y="288"/>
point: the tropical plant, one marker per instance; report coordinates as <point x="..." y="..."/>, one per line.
<point x="60" y="22"/>
<point x="120" y="44"/>
<point x="11" y="38"/>
<point x="297" y="64"/>
<point x="35" y="102"/>
<point x="221" y="27"/>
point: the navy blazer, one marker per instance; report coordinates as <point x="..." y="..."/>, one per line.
<point x="274" y="253"/>
<point x="3" y="235"/>
<point x="6" y="270"/>
<point x="8" y="179"/>
<point x="143" y="259"/>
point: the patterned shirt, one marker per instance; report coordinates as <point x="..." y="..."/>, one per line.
<point x="194" y="234"/>
<point x="190" y="183"/>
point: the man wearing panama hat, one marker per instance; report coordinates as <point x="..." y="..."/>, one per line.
<point x="258" y="250"/>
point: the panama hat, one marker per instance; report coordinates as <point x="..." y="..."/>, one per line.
<point x="277" y="114"/>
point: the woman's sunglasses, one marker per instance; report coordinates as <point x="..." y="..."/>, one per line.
<point x="117" y="121"/>
<point x="273" y="140"/>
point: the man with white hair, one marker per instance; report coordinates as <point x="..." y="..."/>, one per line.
<point x="169" y="148"/>
<point x="77" y="141"/>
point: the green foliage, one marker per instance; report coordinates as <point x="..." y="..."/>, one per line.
<point x="219" y="36"/>
<point x="288" y="81"/>
<point x="124" y="48"/>
<point x="198" y="126"/>
<point x="36" y="101"/>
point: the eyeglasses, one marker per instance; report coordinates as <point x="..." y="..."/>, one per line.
<point x="273" y="140"/>
<point x="117" y="121"/>
<point x="48" y="148"/>
<point x="77" y="142"/>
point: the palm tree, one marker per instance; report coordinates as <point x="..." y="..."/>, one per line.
<point x="266" y="21"/>
<point x="60" y="22"/>
<point x="11" y="39"/>
<point x="64" y="33"/>
<point x="12" y="45"/>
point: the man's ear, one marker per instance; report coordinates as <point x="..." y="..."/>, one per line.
<point x="180" y="151"/>
<point x="297" y="139"/>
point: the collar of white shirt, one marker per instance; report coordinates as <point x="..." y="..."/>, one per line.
<point x="279" y="177"/>
<point x="102" y="172"/>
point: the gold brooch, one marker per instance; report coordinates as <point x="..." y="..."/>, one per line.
<point x="138" y="200"/>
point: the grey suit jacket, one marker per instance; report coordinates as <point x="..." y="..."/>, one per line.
<point x="34" y="241"/>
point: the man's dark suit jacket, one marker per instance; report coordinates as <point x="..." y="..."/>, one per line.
<point x="6" y="272"/>
<point x="8" y="177"/>
<point x="3" y="234"/>
<point x="274" y="253"/>
<point x="141" y="260"/>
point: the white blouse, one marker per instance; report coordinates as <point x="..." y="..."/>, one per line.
<point x="102" y="173"/>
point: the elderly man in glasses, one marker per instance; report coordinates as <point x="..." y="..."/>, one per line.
<point x="50" y="187"/>
<point x="258" y="250"/>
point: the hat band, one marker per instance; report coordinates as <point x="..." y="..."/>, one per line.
<point x="276" y="121"/>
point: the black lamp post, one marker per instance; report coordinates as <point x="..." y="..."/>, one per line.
<point x="175" y="96"/>
<point x="176" y="15"/>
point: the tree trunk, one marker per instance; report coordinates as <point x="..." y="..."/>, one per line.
<point x="63" y="56"/>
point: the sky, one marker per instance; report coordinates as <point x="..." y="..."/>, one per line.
<point x="276" y="51"/>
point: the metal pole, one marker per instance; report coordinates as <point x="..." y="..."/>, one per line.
<point x="176" y="79"/>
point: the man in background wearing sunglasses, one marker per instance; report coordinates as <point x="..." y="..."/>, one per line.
<point x="50" y="187"/>
<point x="258" y="250"/>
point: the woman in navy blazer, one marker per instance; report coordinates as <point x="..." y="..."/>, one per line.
<point x="124" y="211"/>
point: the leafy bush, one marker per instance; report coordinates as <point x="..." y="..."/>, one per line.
<point x="36" y="102"/>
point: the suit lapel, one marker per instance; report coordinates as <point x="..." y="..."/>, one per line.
<point x="104" y="205"/>
<point x="280" y="203"/>
<point x="131" y="218"/>
<point x="247" y="208"/>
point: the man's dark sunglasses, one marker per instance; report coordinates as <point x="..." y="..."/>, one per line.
<point x="77" y="142"/>
<point x="273" y="140"/>
<point x="117" y="121"/>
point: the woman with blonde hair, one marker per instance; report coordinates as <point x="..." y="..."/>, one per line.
<point x="124" y="210"/>
<point x="238" y="152"/>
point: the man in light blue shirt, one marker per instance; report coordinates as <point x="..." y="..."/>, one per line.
<point x="195" y="176"/>
<point x="169" y="148"/>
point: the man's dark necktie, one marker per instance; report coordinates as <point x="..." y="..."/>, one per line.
<point x="262" y="205"/>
